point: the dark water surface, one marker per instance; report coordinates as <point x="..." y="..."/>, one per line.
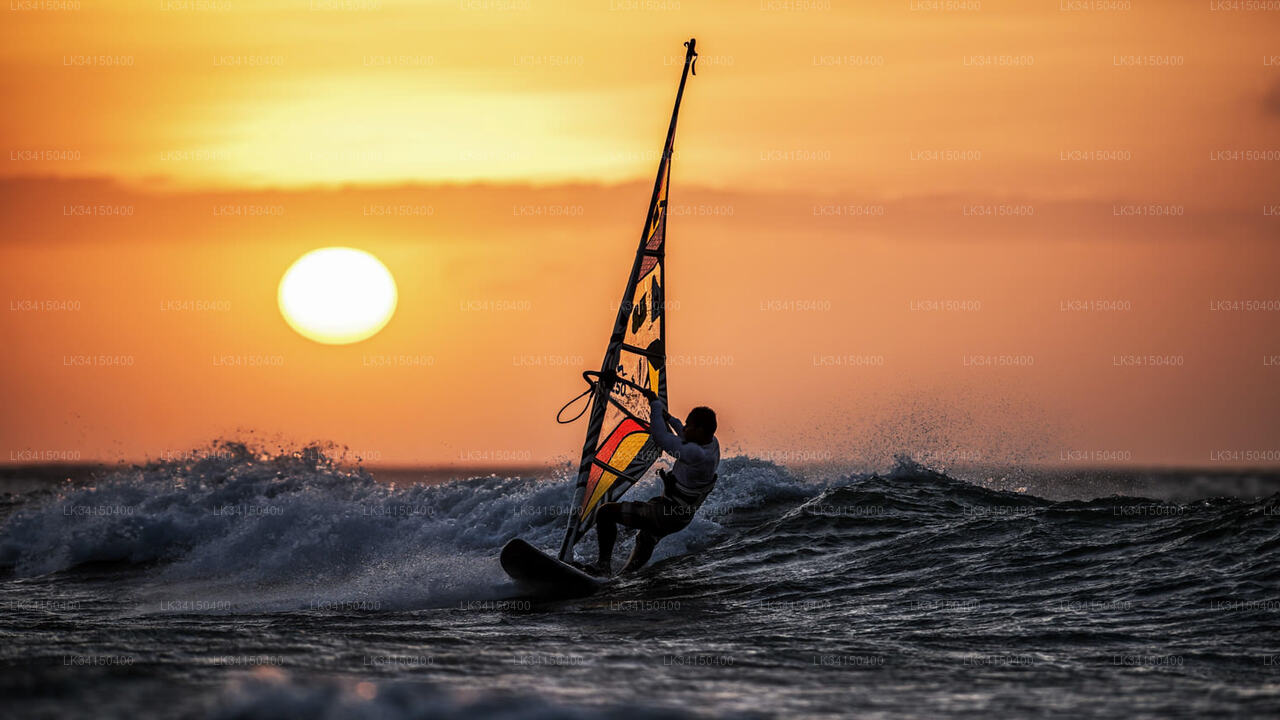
<point x="241" y="586"/>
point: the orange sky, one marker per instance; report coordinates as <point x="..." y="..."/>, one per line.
<point x="870" y="201"/>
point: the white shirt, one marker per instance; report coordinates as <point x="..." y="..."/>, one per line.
<point x="695" y="465"/>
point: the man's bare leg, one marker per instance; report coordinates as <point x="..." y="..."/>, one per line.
<point x="640" y="554"/>
<point x="607" y="533"/>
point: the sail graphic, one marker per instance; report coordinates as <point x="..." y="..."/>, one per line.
<point x="618" y="449"/>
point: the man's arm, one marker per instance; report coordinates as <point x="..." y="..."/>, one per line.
<point x="672" y="444"/>
<point x="672" y="421"/>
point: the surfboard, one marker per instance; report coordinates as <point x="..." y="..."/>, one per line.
<point x="541" y="575"/>
<point x="618" y="448"/>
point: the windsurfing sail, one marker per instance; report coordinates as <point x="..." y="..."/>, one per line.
<point x="618" y="449"/>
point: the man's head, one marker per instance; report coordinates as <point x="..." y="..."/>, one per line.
<point x="700" y="426"/>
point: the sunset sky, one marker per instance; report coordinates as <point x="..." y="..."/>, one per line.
<point x="1000" y="233"/>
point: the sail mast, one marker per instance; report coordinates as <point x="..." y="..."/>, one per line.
<point x="604" y="385"/>
<point x="690" y="57"/>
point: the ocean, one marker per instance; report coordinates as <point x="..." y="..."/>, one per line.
<point x="242" y="584"/>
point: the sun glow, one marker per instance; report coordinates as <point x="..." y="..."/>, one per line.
<point x="337" y="295"/>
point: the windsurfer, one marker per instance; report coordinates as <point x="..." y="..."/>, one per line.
<point x="696" y="451"/>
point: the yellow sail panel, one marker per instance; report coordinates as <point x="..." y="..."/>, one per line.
<point x="622" y="457"/>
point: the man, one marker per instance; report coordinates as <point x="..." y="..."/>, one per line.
<point x="697" y="453"/>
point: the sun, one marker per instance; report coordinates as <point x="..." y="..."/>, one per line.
<point x="337" y="295"/>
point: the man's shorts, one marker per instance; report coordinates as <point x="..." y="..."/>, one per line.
<point x="658" y="517"/>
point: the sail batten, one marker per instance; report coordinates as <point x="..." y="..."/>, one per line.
<point x="617" y="449"/>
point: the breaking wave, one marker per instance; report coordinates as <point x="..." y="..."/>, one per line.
<point x="245" y="531"/>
